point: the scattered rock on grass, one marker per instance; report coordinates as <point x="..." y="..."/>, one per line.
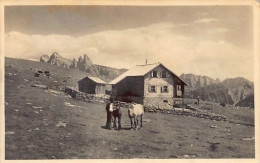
<point x="61" y="124"/>
<point x="115" y="149"/>
<point x="52" y="91"/>
<point x="146" y="120"/>
<point x="70" y="105"/>
<point x="9" y="133"/>
<point x="173" y="156"/>
<point x="36" y="107"/>
<point x="39" y="86"/>
<point x="189" y="156"/>
<point x="247" y="139"/>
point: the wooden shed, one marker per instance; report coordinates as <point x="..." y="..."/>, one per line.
<point x="92" y="85"/>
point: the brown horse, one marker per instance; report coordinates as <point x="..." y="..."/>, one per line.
<point x="113" y="112"/>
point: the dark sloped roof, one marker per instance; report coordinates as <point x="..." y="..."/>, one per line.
<point x="96" y="80"/>
<point x="141" y="70"/>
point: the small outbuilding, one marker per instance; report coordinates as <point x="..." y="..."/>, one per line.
<point x="92" y="85"/>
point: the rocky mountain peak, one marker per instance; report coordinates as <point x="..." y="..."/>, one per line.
<point x="197" y="81"/>
<point x="84" y="63"/>
<point x="74" y="64"/>
<point x="236" y="82"/>
<point x="55" y="55"/>
<point x="56" y="59"/>
<point x="87" y="60"/>
<point x="80" y="60"/>
<point x="44" y="58"/>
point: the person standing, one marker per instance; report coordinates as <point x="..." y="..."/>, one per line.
<point x="198" y="100"/>
<point x="109" y="114"/>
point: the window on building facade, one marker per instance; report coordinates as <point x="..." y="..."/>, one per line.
<point x="152" y="88"/>
<point x="154" y="74"/>
<point x="164" y="89"/>
<point x="163" y="74"/>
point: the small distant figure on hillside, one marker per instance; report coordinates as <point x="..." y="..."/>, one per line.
<point x="198" y="100"/>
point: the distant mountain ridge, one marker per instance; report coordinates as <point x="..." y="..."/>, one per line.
<point x="198" y="81"/>
<point x="83" y="64"/>
<point x="234" y="91"/>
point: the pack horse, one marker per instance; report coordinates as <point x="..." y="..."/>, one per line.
<point x="135" y="112"/>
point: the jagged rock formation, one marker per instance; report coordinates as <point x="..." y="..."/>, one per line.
<point x="58" y="60"/>
<point x="44" y="58"/>
<point x="83" y="64"/>
<point x="74" y="64"/>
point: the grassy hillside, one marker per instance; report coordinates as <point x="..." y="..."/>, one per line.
<point x="60" y="76"/>
<point x="48" y="124"/>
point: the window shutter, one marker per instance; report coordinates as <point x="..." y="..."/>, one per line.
<point x="151" y="73"/>
<point x="161" y="89"/>
<point x="155" y="88"/>
<point x="149" y="88"/>
<point x="160" y="74"/>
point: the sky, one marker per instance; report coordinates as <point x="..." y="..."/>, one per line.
<point x="216" y="41"/>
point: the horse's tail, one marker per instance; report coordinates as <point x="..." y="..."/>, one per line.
<point x="142" y="110"/>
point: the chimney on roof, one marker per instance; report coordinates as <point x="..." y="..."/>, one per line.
<point x="146" y="62"/>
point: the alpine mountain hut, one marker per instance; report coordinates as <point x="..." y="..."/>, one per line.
<point x="149" y="83"/>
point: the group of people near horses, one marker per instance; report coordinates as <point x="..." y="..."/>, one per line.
<point x="114" y="112"/>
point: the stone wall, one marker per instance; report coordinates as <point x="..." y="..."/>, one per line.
<point x="157" y="103"/>
<point x="195" y="112"/>
<point x="152" y="102"/>
<point x="162" y="103"/>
